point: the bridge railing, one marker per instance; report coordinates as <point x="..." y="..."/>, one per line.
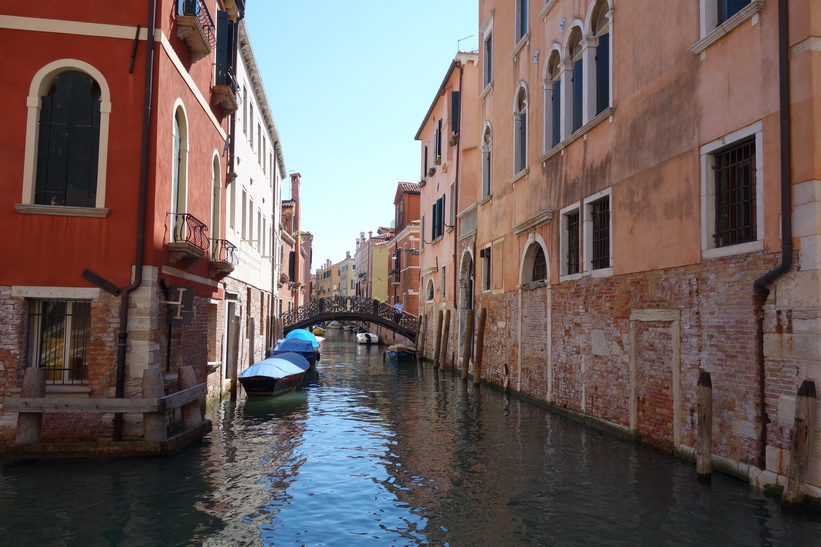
<point x="351" y="305"/>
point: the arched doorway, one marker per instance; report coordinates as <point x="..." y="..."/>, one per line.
<point x="465" y="303"/>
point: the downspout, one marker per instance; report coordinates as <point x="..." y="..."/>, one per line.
<point x="461" y="68"/>
<point x="760" y="284"/>
<point x="122" y="336"/>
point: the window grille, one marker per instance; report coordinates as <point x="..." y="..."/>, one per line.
<point x="573" y="243"/>
<point x="600" y="216"/>
<point x="60" y="331"/>
<point x="735" y="194"/>
<point x="539" y="265"/>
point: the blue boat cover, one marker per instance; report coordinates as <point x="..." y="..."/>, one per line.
<point x="281" y="366"/>
<point x="294" y="344"/>
<point x="303" y="334"/>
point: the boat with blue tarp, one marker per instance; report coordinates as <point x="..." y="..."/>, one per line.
<point x="274" y="375"/>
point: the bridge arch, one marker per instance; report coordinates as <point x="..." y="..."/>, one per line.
<point x="340" y="308"/>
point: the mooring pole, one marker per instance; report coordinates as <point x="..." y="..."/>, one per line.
<point x="438" y="350"/>
<point x="805" y="404"/>
<point x="420" y="336"/>
<point x="29" y="424"/>
<point x="445" y="336"/>
<point x="704" y="441"/>
<point x="467" y="344"/>
<point x="480" y="346"/>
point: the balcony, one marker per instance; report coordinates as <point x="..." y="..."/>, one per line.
<point x="226" y="90"/>
<point x="223" y="258"/>
<point x="189" y="239"/>
<point x="195" y="27"/>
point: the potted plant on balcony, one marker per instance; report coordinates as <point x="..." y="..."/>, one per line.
<point x="431" y="171"/>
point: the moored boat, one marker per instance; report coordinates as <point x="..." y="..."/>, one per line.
<point x="274" y="375"/>
<point x="304" y="334"/>
<point x="296" y="345"/>
<point x="401" y="352"/>
<point x="318" y="331"/>
<point x="367" y="338"/>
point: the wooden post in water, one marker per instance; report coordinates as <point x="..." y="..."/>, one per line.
<point x="480" y="346"/>
<point x="445" y="337"/>
<point x="29" y="424"/>
<point x="154" y="423"/>
<point x="420" y="337"/>
<point x="192" y="412"/>
<point x="704" y="439"/>
<point x="468" y="343"/>
<point x="438" y="351"/>
<point x="805" y="404"/>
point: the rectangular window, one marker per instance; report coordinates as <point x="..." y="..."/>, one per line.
<point x="521" y="19"/>
<point x="578" y="93"/>
<point x="251" y="125"/>
<point x="444" y="281"/>
<point x="735" y="194"/>
<point x="488" y="61"/>
<point x="60" y="335"/>
<point x="453" y="203"/>
<point x="264" y="156"/>
<point x="244" y="213"/>
<point x="232" y="209"/>
<point x="572" y="234"/>
<point x="454" y="111"/>
<point x="244" y="110"/>
<point x="484" y="254"/>
<point x="603" y="73"/>
<point x="600" y="236"/>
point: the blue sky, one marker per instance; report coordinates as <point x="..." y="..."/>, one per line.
<point x="348" y="84"/>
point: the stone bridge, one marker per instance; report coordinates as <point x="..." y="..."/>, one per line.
<point x="352" y="308"/>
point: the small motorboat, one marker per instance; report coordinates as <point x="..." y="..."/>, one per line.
<point x="295" y="345"/>
<point x="318" y="331"/>
<point x="367" y="338"/>
<point x="274" y="375"/>
<point x="401" y="352"/>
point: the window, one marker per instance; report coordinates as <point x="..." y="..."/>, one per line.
<point x="60" y="334"/>
<point x="438" y="215"/>
<point x="216" y="201"/>
<point x="251" y="125"/>
<point x="430" y="292"/>
<point x="487" y="50"/>
<point x="601" y="57"/>
<point x="487" y="162"/>
<point x="575" y="90"/>
<point x="453" y="203"/>
<point x="179" y="167"/>
<point x="521" y="19"/>
<point x="727" y="8"/>
<point x="244" y="213"/>
<point x="520" y="131"/>
<point x="571" y="233"/>
<point x="598" y="236"/>
<point x="484" y="255"/>
<point x="69" y="141"/>
<point x="444" y="281"/>
<point x="244" y="110"/>
<point x="553" y="101"/>
<point x="731" y="183"/>
<point x="735" y="218"/>
<point x="232" y="210"/>
<point x="534" y="264"/>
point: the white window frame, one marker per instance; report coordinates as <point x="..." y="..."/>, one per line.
<point x="587" y="238"/>
<point x="563" y="243"/>
<point x="487" y="64"/>
<point x="707" y="160"/>
<point x="487" y="267"/>
<point x="520" y="143"/>
<point x="487" y="161"/>
<point x="40" y="84"/>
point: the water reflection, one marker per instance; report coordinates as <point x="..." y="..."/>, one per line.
<point x="375" y="452"/>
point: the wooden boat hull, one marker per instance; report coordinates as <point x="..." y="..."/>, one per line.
<point x="400" y="353"/>
<point x="367" y="338"/>
<point x="274" y="375"/>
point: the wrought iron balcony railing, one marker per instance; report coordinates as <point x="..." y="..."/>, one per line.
<point x="223" y="250"/>
<point x="186" y="228"/>
<point x="224" y="76"/>
<point x="198" y="9"/>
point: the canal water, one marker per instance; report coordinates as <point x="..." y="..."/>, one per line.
<point x="379" y="453"/>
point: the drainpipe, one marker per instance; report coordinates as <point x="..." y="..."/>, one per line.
<point x="760" y="284"/>
<point x="461" y="68"/>
<point x="141" y="211"/>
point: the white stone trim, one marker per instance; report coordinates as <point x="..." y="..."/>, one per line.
<point x="587" y="226"/>
<point x="710" y="33"/>
<point x="68" y="293"/>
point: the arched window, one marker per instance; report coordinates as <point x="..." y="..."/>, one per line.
<point x="534" y="265"/>
<point x="487" y="161"/>
<point x="179" y="163"/>
<point x="216" y="199"/>
<point x="68" y="144"/>
<point x="576" y="84"/>
<point x="553" y="101"/>
<point x="520" y="131"/>
<point x="600" y="75"/>
<point x="429" y="292"/>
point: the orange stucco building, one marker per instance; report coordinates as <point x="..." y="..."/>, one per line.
<point x="637" y="167"/>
